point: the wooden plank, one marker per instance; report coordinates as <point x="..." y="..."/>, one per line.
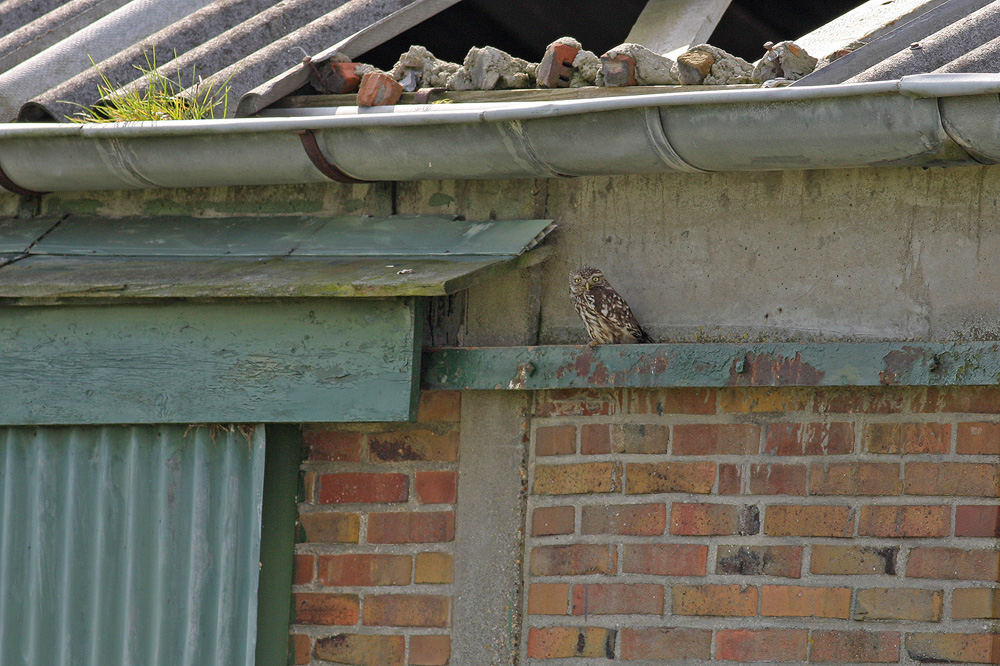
<point x="293" y="361"/>
<point x="673" y="26"/>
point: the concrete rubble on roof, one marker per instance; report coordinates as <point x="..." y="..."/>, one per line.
<point x="784" y="60"/>
<point x="489" y="68"/>
<point x="418" y="68"/>
<point x="722" y="68"/>
<point x="651" y="69"/>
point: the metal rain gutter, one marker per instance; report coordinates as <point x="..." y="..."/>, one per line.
<point x="920" y="120"/>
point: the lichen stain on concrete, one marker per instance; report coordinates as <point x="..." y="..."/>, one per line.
<point x="774" y="370"/>
<point x="896" y="363"/>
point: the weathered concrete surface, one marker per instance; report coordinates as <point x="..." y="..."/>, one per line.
<point x="487" y="601"/>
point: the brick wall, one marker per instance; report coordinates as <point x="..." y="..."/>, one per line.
<point x="374" y="568"/>
<point x="764" y="525"/>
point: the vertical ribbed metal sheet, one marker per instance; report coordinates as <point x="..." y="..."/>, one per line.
<point x="129" y="545"/>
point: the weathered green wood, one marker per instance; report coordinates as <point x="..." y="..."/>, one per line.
<point x="325" y="360"/>
<point x="17" y="234"/>
<point x="714" y="365"/>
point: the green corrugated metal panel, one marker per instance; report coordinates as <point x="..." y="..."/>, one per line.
<point x="714" y="364"/>
<point x="129" y="545"/>
<point x="325" y="360"/>
<point x="17" y="234"/>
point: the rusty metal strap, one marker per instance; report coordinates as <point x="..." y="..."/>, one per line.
<point x="316" y="156"/>
<point x="10" y="185"/>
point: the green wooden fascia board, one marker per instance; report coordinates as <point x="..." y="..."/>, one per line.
<point x="714" y="365"/>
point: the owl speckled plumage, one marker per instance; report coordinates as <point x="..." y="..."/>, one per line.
<point x="604" y="312"/>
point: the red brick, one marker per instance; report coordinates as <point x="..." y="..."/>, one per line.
<point x="809" y="439"/>
<point x="799" y="601"/>
<point x="777" y="479"/>
<point x="566" y="642"/>
<point x="966" y="648"/>
<point x="817" y="521"/>
<point x="631" y="519"/>
<point x="416" y="444"/>
<point x="430" y="650"/>
<point x="961" y="479"/>
<point x="672" y="401"/>
<point x="407" y="610"/>
<point x="761" y="644"/>
<point x="304" y="565"/>
<point x="378" y="89"/>
<point x="978" y="439"/>
<point x="763" y="399"/>
<point x="665" y="559"/>
<point x="574" y="402"/>
<point x="327" y="609"/>
<point x="953" y="564"/>
<point x="849" y="400"/>
<point x="698" y="439"/>
<point x="333" y="445"/>
<point x="348" y="570"/>
<point x="335" y="78"/>
<point x="881" y="647"/>
<point x="639" y="438"/>
<point x="856" y="478"/>
<point x="301" y="649"/>
<point x="595" y="439"/>
<point x="730" y="479"/>
<point x="900" y="604"/>
<point x="669" y="477"/>
<point x="434" y="569"/>
<point x="555" y="440"/>
<point x="618" y="599"/>
<point x="712" y="519"/>
<point x="663" y="643"/>
<point x="439" y="407"/>
<point x="573" y="560"/>
<point x="720" y="600"/>
<point x="407" y="527"/>
<point x="618" y="70"/>
<point x="551" y="520"/>
<point x="556" y="68"/>
<point x="548" y="599"/>
<point x="330" y="527"/>
<point x="783" y="561"/>
<point x="977" y="521"/>
<point x="436" y="487"/>
<point x="362" y="649"/>
<point x="308" y="481"/>
<point x="908" y="438"/>
<point x="968" y="399"/>
<point x="577" y="479"/>
<point x="905" y="521"/>
<point x="853" y="560"/>
<point x="363" y="488"/>
<point x="975" y="603"/>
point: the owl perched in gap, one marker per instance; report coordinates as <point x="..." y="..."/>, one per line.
<point x="606" y="314"/>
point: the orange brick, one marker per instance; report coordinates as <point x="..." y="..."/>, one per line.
<point x="439" y="407"/>
<point x="962" y="479"/>
<point x="304" y="565"/>
<point x="555" y="440"/>
<point x="975" y="603"/>
<point x="301" y="649"/>
<point x="595" y="439"/>
<point x="857" y="399"/>
<point x="639" y="438"/>
<point x="905" y="521"/>
<point x="969" y="399"/>
<point x="566" y="642"/>
<point x="794" y="520"/>
<point x="978" y="439"/>
<point x="672" y="401"/>
<point x="908" y="438"/>
<point x="573" y="560"/>
<point x="853" y="560"/>
<point x="777" y="479"/>
<point x="855" y="478"/>
<point x="328" y="609"/>
<point x="350" y="570"/>
<point x="798" y="601"/>
<point x="647" y="478"/>
<point x="363" y="487"/>
<point x="730" y="479"/>
<point x="700" y="439"/>
<point x="663" y="643"/>
<point x="577" y="479"/>
<point x="665" y="559"/>
<point x="416" y="444"/>
<point x="809" y="439"/>
<point x="761" y="644"/>
<point x="548" y="599"/>
<point x="436" y="487"/>
<point x="630" y="519"/>
<point x="411" y="527"/>
<point x="551" y="520"/>
<point x="330" y="527"/>
<point x="362" y="649"/>
<point x="407" y="610"/>
<point x="434" y="569"/>
<point x="729" y="600"/>
<point x="783" y="561"/>
<point x="842" y="647"/>
<point x="764" y="399"/>
<point x="333" y="445"/>
<point x="967" y="648"/>
<point x="618" y="599"/>
<point x="899" y="604"/>
<point x="430" y="650"/>
<point x="574" y="402"/>
<point x="378" y="89"/>
<point x="713" y="519"/>
<point x="953" y="564"/>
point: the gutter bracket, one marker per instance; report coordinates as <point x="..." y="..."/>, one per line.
<point x="319" y="160"/>
<point x="10" y="185"/>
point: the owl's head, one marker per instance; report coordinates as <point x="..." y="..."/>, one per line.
<point x="585" y="279"/>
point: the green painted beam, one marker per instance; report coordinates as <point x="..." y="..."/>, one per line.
<point x="714" y="365"/>
<point x="278" y="362"/>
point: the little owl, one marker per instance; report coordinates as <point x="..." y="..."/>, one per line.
<point x="606" y="314"/>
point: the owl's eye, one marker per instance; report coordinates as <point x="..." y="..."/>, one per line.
<point x="577" y="280"/>
<point x="597" y="279"/>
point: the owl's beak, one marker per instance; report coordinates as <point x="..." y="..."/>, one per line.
<point x="587" y="284"/>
